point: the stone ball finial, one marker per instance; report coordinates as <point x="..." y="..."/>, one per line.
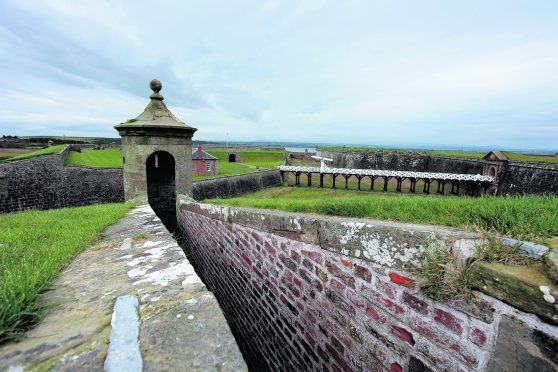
<point x="155" y="85"/>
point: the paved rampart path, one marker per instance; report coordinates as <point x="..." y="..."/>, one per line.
<point x="182" y="326"/>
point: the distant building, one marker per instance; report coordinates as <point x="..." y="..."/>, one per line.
<point x="234" y="157"/>
<point x="494" y="164"/>
<point x="203" y="163"/>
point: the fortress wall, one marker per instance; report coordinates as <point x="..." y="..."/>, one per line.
<point x="442" y="164"/>
<point x="302" y="292"/>
<point x="228" y="187"/>
<point x="528" y="179"/>
<point x="44" y="182"/>
<point x="403" y="162"/>
<point x="377" y="160"/>
<point x="519" y="178"/>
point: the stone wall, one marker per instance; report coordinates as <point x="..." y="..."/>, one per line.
<point x="302" y="292"/>
<point x="528" y="179"/>
<point x="519" y="178"/>
<point x="44" y="183"/>
<point x="228" y="187"/>
<point x="443" y="164"/>
<point x="377" y="160"/>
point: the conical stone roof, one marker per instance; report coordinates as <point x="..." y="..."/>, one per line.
<point x="156" y="115"/>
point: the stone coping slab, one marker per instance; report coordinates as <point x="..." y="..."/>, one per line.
<point x="181" y="321"/>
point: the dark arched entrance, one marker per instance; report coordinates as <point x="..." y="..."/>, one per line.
<point x="492" y="172"/>
<point x="161" y="190"/>
<point x="232" y="158"/>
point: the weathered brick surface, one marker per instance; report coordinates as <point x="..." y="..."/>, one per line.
<point x="297" y="306"/>
<point x="45" y="183"/>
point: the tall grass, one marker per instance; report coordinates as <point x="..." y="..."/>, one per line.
<point x="532" y="218"/>
<point x="34" y="247"/>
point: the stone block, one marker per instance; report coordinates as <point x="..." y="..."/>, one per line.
<point x="520" y="286"/>
<point x="463" y="249"/>
<point x="528" y="249"/>
<point x="551" y="264"/>
<point x="520" y="348"/>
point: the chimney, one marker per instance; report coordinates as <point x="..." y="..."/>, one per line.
<point x="200" y="154"/>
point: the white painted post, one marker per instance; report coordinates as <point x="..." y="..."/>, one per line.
<point x="323" y="166"/>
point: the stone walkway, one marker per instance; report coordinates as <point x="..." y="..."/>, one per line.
<point x="182" y="326"/>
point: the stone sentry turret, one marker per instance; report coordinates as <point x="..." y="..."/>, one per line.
<point x="157" y="153"/>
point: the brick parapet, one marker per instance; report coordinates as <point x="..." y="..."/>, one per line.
<point x="298" y="303"/>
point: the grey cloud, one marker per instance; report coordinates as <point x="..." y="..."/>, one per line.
<point x="39" y="47"/>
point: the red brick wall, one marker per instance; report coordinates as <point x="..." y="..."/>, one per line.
<point x="199" y="167"/>
<point x="296" y="306"/>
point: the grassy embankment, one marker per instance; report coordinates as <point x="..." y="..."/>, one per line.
<point x="108" y="158"/>
<point x="251" y="159"/>
<point x="34" y="247"/>
<point x="46" y="151"/>
<point x="533" y="218"/>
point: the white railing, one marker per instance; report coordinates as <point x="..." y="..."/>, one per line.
<point x="388" y="173"/>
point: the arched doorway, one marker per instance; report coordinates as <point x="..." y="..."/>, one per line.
<point x="492" y="172"/>
<point x="232" y="158"/>
<point x="161" y="189"/>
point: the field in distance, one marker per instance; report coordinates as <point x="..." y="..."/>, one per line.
<point x="512" y="156"/>
<point x="252" y="160"/>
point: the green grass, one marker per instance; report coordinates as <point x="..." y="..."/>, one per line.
<point x="34" y="247"/>
<point x="227" y="169"/>
<point x="265" y="159"/>
<point x="7" y="154"/>
<point x="108" y="158"/>
<point x="47" y="151"/>
<point x="262" y="158"/>
<point x="459" y="154"/>
<point x="530" y="158"/>
<point x="533" y="218"/>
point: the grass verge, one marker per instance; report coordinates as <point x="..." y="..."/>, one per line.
<point x="108" y="158"/>
<point x="34" y="247"/>
<point x="533" y="218"/>
<point x="47" y="151"/>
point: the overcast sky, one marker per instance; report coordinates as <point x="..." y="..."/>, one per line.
<point x="475" y="72"/>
